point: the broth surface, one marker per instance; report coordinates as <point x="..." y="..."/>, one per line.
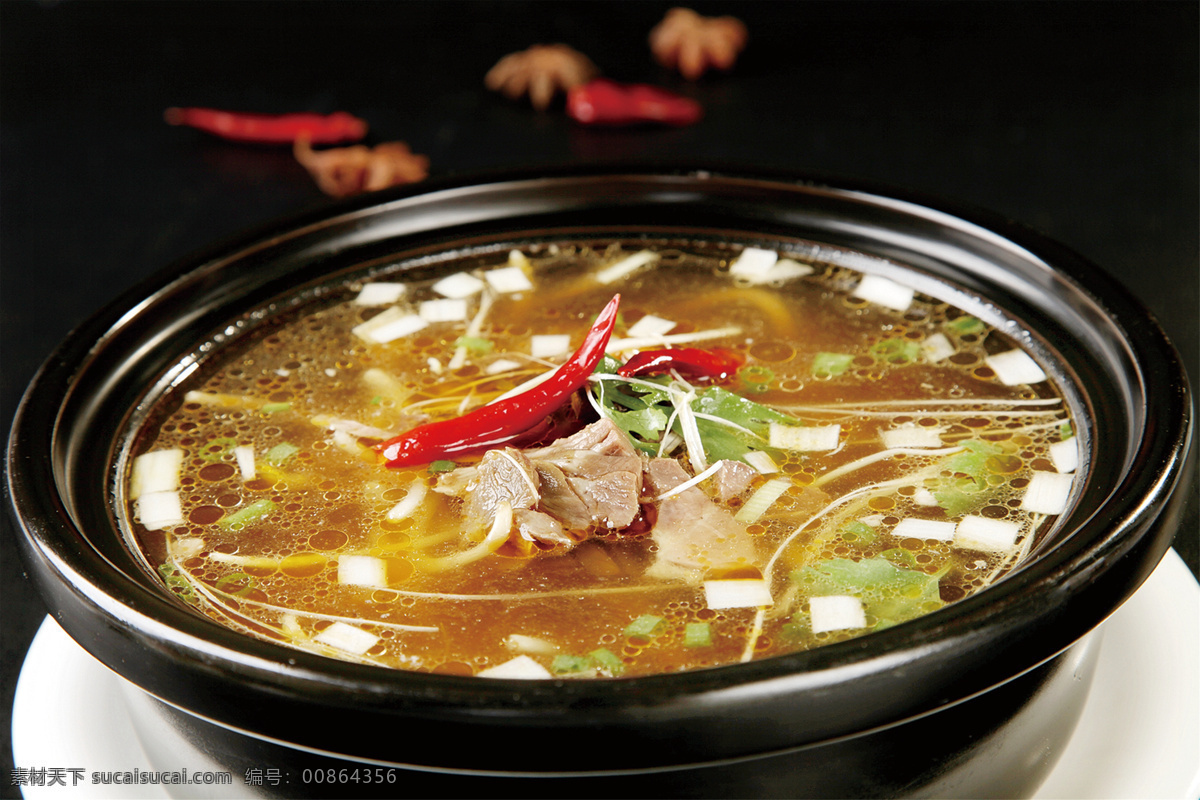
<point x="895" y="456"/>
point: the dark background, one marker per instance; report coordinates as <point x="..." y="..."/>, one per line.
<point x="1078" y="119"/>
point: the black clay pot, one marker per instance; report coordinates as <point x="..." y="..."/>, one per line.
<point x="976" y="699"/>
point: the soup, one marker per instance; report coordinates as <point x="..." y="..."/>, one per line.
<point x="601" y="460"/>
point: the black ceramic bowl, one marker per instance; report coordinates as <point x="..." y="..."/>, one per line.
<point x="976" y="699"/>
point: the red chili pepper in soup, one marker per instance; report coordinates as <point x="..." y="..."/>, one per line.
<point x="271" y="128"/>
<point x="689" y="362"/>
<point x="606" y="102"/>
<point x="504" y="421"/>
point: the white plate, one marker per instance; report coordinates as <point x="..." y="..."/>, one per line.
<point x="1139" y="736"/>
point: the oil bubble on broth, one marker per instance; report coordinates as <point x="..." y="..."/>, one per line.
<point x="776" y="452"/>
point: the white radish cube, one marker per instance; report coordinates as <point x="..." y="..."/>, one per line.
<point x="547" y="345"/>
<point x="1015" y="367"/>
<point x="1047" y="493"/>
<point x="448" y="310"/>
<point x="389" y="325"/>
<point x="158" y="510"/>
<point x="502" y="365"/>
<point x="916" y="528"/>
<point x="362" y="571"/>
<point x="650" y="326"/>
<point x="156" y="471"/>
<point x="245" y="461"/>
<point x="924" y="497"/>
<point x="884" y="292"/>
<point x="380" y="294"/>
<point x="347" y="638"/>
<point x="916" y="436"/>
<point x="836" y="612"/>
<point x="989" y="535"/>
<point x="815" y="438"/>
<point x="507" y="280"/>
<point x="753" y="263"/>
<point x="737" y="593"/>
<point x="187" y="547"/>
<point x="1065" y="455"/>
<point x="521" y="667"/>
<point x="520" y="643"/>
<point x="626" y="266"/>
<point x="788" y="268"/>
<point x="458" y="285"/>
<point x="937" y="348"/>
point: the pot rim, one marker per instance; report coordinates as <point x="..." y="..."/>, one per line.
<point x="1039" y="607"/>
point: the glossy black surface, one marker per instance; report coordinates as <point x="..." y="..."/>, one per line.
<point x="989" y="736"/>
<point x="1119" y="370"/>
<point x="1079" y="119"/>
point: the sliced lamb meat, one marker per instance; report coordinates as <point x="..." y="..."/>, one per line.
<point x="501" y="475"/>
<point x="612" y="499"/>
<point x="560" y="500"/>
<point x="591" y="478"/>
<point x="601" y="437"/>
<point x="694" y="535"/>
<point x="590" y="481"/>
<point x="539" y="527"/>
<point x="733" y="478"/>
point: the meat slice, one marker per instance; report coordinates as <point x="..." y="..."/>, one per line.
<point x="733" y="478"/>
<point x="585" y="483"/>
<point x="501" y="475"/>
<point x="536" y="526"/>
<point x="593" y="477"/>
<point x="602" y="437"/>
<point x="559" y="498"/>
<point x="694" y="535"/>
<point x="611" y="499"/>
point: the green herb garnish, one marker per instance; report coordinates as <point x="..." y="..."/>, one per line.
<point x="826" y="365"/>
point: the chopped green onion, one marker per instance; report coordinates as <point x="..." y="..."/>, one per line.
<point x="697" y="634"/>
<point x="1065" y="430"/>
<point x="607" y="660"/>
<point x="644" y="627"/>
<point x="272" y="408"/>
<point x="567" y="664"/>
<point x="965" y="325"/>
<point x="280" y="453"/>
<point x="755" y="377"/>
<point x="175" y="581"/>
<point x="251" y="513"/>
<point x="896" y="351"/>
<point x="233" y="579"/>
<point x="475" y="344"/>
<point x="377" y="399"/>
<point x="826" y="365"/>
<point x="217" y="449"/>
<point x="442" y="466"/>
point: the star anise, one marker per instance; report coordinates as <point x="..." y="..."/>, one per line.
<point x="691" y="43"/>
<point x="343" y="171"/>
<point x="541" y="72"/>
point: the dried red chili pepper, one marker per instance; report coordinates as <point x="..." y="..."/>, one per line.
<point x="606" y="102"/>
<point x="502" y="422"/>
<point x="270" y="128"/>
<point x="689" y="362"/>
